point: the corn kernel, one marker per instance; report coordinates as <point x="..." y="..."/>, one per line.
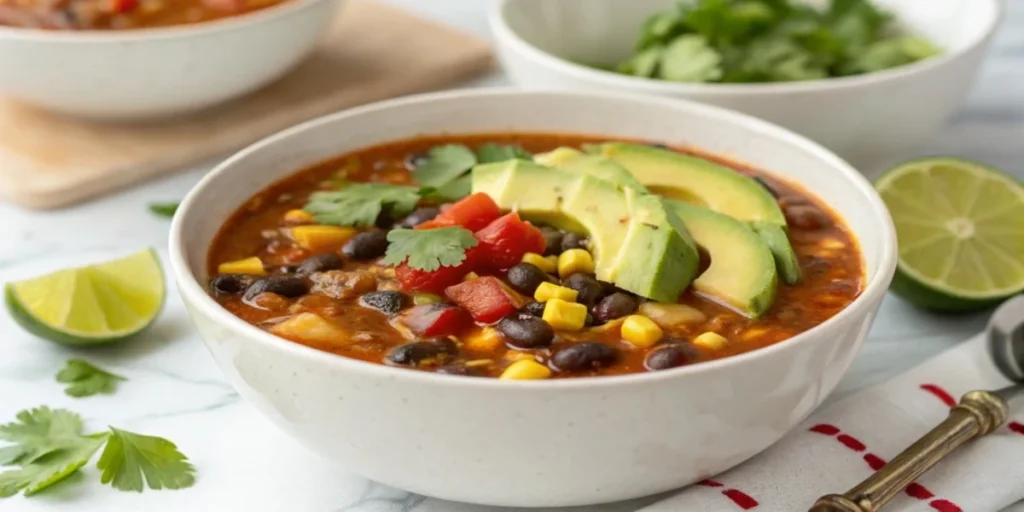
<point x="553" y="262"/>
<point x="470" y="276"/>
<point x="484" y="340"/>
<point x="541" y="262"/>
<point x="573" y="261"/>
<point x="548" y="291"/>
<point x="253" y="266"/>
<point x="641" y="331"/>
<point x="566" y="316"/>
<point x="753" y="333"/>
<point x="322" y="238"/>
<point x="515" y="355"/>
<point x="711" y="341"/>
<point x="297" y="217"/>
<point x="525" y="370"/>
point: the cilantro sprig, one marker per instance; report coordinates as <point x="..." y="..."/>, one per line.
<point x="167" y="209"/>
<point x="47" y="446"/>
<point x="84" y="379"/>
<point x="360" y="204"/>
<point x="429" y="249"/>
<point x="446" y="169"/>
<point x="737" y="41"/>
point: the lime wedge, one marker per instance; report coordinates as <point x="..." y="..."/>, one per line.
<point x="100" y="303"/>
<point x="960" y="227"/>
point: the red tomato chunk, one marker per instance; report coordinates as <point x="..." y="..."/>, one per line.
<point x="505" y="241"/>
<point x="472" y="212"/>
<point x="486" y="299"/>
<point x="436" y="319"/>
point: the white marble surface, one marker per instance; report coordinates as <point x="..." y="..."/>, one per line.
<point x="243" y="462"/>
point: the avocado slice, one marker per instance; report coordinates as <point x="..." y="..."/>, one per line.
<point x="571" y="160"/>
<point x="742" y="272"/>
<point x="637" y="243"/>
<point x="701" y="182"/>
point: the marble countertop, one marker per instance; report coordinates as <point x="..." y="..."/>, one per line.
<point x="243" y="462"/>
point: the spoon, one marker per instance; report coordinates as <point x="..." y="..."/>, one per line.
<point x="977" y="414"/>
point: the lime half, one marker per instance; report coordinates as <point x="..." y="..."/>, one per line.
<point x="960" y="227"/>
<point x="90" y="305"/>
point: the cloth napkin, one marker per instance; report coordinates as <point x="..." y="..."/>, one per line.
<point x="842" y="444"/>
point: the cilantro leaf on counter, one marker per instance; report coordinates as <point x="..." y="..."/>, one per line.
<point x="429" y="249"/>
<point x="167" y="209"/>
<point x="360" y="204"/>
<point x="48" y="446"/>
<point x="85" y="379"/>
<point x="129" y="456"/>
<point x="690" y="59"/>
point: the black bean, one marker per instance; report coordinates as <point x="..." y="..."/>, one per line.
<point x="668" y="356"/>
<point x="366" y="245"/>
<point x="290" y="286"/>
<point x="588" y="289"/>
<point x="526" y="277"/>
<point x="525" y="331"/>
<point x="287" y="269"/>
<point x="230" y="284"/>
<point x="573" y="241"/>
<point x="386" y="301"/>
<point x="553" y="240"/>
<point x="616" y="305"/>
<point x="587" y="355"/>
<point x="419" y="216"/>
<point x="460" y="369"/>
<point x="806" y="216"/>
<point x="412" y="354"/>
<point x="384" y="219"/>
<point x="414" y="160"/>
<point x="766" y="186"/>
<point x="320" y="263"/>
<point x="534" y="308"/>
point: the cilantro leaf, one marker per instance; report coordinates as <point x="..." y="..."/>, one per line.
<point x="491" y="152"/>
<point x="451" y="191"/>
<point x="444" y="164"/>
<point x="643" y="64"/>
<point x="164" y="209"/>
<point x="10" y="454"/>
<point x="690" y="59"/>
<point x="429" y="249"/>
<point x="49" y="468"/>
<point x="360" y="204"/>
<point x="39" y="432"/>
<point x="129" y="456"/>
<point x="86" y="379"/>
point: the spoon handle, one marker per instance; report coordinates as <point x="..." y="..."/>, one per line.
<point x="977" y="414"/>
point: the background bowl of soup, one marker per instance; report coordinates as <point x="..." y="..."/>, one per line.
<point x="870" y="119"/>
<point x="560" y="442"/>
<point x="165" y="65"/>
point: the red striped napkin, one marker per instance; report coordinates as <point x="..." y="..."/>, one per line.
<point x="843" y="443"/>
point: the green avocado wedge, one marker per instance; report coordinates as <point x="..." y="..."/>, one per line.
<point x="571" y="160"/>
<point x="742" y="272"/>
<point x="637" y="243"/>
<point x="703" y="183"/>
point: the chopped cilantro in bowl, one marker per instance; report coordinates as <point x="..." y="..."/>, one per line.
<point x="757" y="41"/>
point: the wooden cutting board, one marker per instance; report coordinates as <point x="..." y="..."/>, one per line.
<point x="372" y="52"/>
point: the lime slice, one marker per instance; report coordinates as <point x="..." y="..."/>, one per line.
<point x="90" y="305"/>
<point x="960" y="227"/>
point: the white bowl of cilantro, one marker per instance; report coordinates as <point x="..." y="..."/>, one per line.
<point x="870" y="79"/>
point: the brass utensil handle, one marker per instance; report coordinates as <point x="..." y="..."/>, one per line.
<point x="977" y="414"/>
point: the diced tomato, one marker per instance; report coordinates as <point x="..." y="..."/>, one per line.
<point x="504" y="242"/>
<point x="123" y="6"/>
<point x="485" y="298"/>
<point x="436" y="281"/>
<point x="436" y="319"/>
<point x="471" y="212"/>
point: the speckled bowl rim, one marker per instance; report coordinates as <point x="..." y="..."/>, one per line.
<point x="504" y="34"/>
<point x="194" y="293"/>
<point x="245" y="21"/>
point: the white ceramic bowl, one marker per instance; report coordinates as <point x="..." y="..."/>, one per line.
<point x="870" y="120"/>
<point x="158" y="72"/>
<point x="539" y="443"/>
